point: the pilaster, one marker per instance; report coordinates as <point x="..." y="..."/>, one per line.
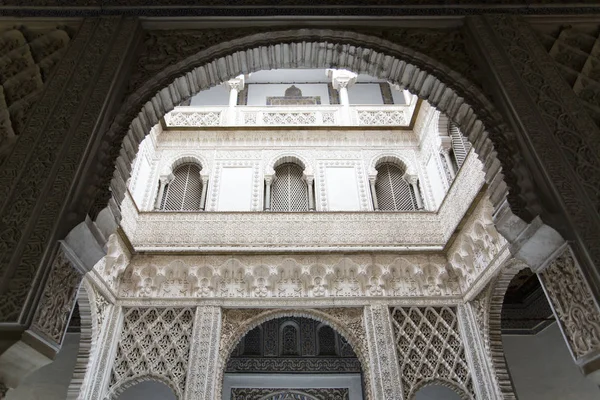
<point x="486" y="385"/>
<point x="204" y="353"/>
<point x="558" y="140"/>
<point x="575" y="308"/>
<point x="385" y="370"/>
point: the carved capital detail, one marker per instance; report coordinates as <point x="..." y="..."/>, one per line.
<point x="58" y="298"/>
<point x="573" y="303"/>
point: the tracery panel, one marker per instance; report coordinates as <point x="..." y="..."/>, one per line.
<point x="289" y="191"/>
<point x="429" y="347"/>
<point x="183" y="193"/>
<point x="393" y="192"/>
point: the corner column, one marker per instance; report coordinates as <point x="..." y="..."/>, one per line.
<point x="202" y="372"/>
<point x="372" y="181"/>
<point x="482" y="370"/>
<point x="235" y="86"/>
<point x="311" y="193"/>
<point x="341" y="80"/>
<point x="204" y="179"/>
<point x="385" y="370"/>
<point x="268" y="182"/>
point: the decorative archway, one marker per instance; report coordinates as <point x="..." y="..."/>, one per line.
<point x="463" y="394"/>
<point x="430" y="79"/>
<point x="122" y="386"/>
<point x="347" y="322"/>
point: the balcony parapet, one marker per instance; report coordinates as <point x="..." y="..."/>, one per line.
<point x="324" y="115"/>
<point x="269" y="232"/>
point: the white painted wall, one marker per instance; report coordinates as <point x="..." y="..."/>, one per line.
<point x="342" y="189"/>
<point x="215" y="96"/>
<point x="291" y="381"/>
<point x="51" y="381"/>
<point x="235" y="189"/>
<point x="542" y="368"/>
<point x="258" y="93"/>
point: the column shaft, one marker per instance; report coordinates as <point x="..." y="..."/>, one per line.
<point x="268" y="195"/>
<point x="201" y="381"/>
<point x="385" y="371"/>
<point x="203" y="195"/>
<point x="374" y="195"/>
<point x="311" y="195"/>
<point x="161" y="191"/>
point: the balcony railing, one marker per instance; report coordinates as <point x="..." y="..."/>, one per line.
<point x="377" y="115"/>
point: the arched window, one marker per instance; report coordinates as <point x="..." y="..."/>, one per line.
<point x="184" y="192"/>
<point x="326" y="341"/>
<point x="393" y="192"/>
<point x="289" y="339"/>
<point x="289" y="191"/>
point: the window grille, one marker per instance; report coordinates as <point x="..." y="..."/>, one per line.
<point x="289" y="191"/>
<point x="460" y="145"/>
<point x="326" y="336"/>
<point x="393" y="192"/>
<point x="183" y="193"/>
<point x="289" y="341"/>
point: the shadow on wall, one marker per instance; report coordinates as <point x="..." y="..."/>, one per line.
<point x="51" y="381"/>
<point x="148" y="390"/>
<point x="542" y="368"/>
<point x="436" y="392"/>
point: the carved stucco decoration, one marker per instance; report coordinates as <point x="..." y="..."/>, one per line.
<point x="41" y="169"/>
<point x="154" y="344"/>
<point x="565" y="137"/>
<point x="574" y="305"/>
<point x="430" y="350"/>
<point x="58" y="299"/>
<point x="289" y="276"/>
<point x="206" y="67"/>
<point x="348" y="322"/>
<point x="289" y="394"/>
<point x="28" y="59"/>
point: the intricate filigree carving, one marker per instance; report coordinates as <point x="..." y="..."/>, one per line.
<point x="429" y="347"/>
<point x="573" y="303"/>
<point x="289" y="394"/>
<point x="154" y="342"/>
<point x="58" y="299"/>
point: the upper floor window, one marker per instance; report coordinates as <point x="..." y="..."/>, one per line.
<point x="289" y="191"/>
<point x="184" y="192"/>
<point x="393" y="192"/>
<point x="460" y="146"/>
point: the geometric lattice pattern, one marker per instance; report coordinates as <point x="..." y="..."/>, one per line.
<point x="430" y="348"/>
<point x="183" y="193"/>
<point x="393" y="192"/>
<point x="196" y="118"/>
<point x="289" y="191"/>
<point x="155" y="342"/>
<point x="380" y="118"/>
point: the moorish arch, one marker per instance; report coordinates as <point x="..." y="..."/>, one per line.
<point x="347" y="322"/>
<point x="428" y="78"/>
<point x="458" y="391"/>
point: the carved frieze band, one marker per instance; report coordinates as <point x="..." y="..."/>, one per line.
<point x="573" y="303"/>
<point x="58" y="299"/>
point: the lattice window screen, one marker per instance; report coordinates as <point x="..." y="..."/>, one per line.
<point x="393" y="192"/>
<point x="429" y="347"/>
<point x="326" y="338"/>
<point x="460" y="145"/>
<point x="184" y="191"/>
<point x="289" y="191"/>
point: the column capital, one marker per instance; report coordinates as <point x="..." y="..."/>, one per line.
<point x="341" y="78"/>
<point x="309" y="178"/>
<point x="411" y="178"/>
<point x="445" y="144"/>
<point x="164" y="179"/>
<point x="204" y="179"/>
<point x="269" y="179"/>
<point x="236" y="83"/>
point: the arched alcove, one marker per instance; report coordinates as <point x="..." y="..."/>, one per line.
<point x="437" y="392"/>
<point x="147" y="390"/>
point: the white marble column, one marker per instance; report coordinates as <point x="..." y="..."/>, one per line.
<point x="202" y="372"/>
<point x="341" y="80"/>
<point x="385" y="370"/>
<point x="268" y="181"/>
<point x="372" y="181"/>
<point x="98" y="373"/>
<point x="413" y="180"/>
<point x="204" y="179"/>
<point x="309" y="179"/>
<point x="235" y="85"/>
<point x="162" y="184"/>
<point x="478" y="358"/>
